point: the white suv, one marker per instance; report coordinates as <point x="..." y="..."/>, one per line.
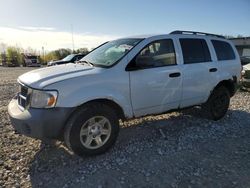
<point x="121" y="79"/>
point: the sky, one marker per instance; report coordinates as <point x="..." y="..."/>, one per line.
<point x="49" y="23"/>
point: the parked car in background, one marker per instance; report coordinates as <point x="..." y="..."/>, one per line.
<point x="242" y="45"/>
<point x="125" y="78"/>
<point x="246" y="75"/>
<point x="245" y="60"/>
<point x="72" y="58"/>
<point x="9" y="61"/>
<point x="245" y="81"/>
<point x="30" y="60"/>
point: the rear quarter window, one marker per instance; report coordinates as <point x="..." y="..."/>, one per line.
<point x="224" y="50"/>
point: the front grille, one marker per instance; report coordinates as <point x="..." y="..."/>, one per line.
<point x="23" y="97"/>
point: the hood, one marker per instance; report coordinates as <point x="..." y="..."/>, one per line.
<point x="40" y="78"/>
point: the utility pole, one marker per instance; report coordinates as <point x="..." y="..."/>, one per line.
<point x="43" y="54"/>
<point x="73" y="45"/>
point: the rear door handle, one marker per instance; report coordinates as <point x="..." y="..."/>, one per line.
<point x="175" y="74"/>
<point x="212" y="70"/>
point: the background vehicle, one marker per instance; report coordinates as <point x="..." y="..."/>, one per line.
<point x="68" y="59"/>
<point x="242" y="45"/>
<point x="245" y="60"/>
<point x="126" y="78"/>
<point x="246" y="75"/>
<point x="9" y="63"/>
<point x="30" y="60"/>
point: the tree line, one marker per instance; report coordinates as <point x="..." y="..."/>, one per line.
<point x="14" y="54"/>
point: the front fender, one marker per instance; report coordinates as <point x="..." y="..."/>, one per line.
<point x="77" y="91"/>
<point x="116" y="97"/>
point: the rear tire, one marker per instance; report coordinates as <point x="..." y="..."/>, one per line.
<point x="92" y="130"/>
<point x="218" y="103"/>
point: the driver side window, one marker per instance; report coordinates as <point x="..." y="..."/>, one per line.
<point x="156" y="54"/>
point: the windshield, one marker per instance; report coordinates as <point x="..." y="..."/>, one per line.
<point x="110" y="52"/>
<point x="68" y="58"/>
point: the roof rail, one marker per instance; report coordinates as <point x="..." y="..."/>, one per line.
<point x="195" y="33"/>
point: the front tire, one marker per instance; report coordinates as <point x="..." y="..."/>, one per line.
<point x="218" y="103"/>
<point x="92" y="130"/>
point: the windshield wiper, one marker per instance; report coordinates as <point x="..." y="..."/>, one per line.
<point x="86" y="62"/>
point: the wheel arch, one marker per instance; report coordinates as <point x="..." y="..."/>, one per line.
<point x="118" y="109"/>
<point x="229" y="84"/>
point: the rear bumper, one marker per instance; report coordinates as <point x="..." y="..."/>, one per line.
<point x="38" y="123"/>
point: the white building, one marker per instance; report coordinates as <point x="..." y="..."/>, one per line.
<point x="243" y="45"/>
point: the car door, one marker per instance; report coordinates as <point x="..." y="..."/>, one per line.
<point x="155" y="79"/>
<point x="199" y="71"/>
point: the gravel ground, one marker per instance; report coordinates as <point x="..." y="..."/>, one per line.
<point x="180" y="149"/>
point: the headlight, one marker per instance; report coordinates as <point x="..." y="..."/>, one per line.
<point x="43" y="99"/>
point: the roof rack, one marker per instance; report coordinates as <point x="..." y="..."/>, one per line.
<point x="195" y="33"/>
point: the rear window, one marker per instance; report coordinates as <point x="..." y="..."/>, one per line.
<point x="195" y="51"/>
<point x="223" y="50"/>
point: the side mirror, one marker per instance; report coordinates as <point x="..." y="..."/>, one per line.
<point x="132" y="66"/>
<point x="140" y="62"/>
<point x="144" y="61"/>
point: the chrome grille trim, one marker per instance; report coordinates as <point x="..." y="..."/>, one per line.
<point x="22" y="96"/>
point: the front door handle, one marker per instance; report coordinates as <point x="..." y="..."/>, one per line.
<point x="175" y="74"/>
<point x="212" y="70"/>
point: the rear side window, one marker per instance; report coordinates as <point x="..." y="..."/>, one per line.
<point x="223" y="50"/>
<point x="195" y="51"/>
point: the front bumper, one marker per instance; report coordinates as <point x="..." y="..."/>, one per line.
<point x="39" y="123"/>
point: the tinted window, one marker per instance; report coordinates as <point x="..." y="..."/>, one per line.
<point x="156" y="54"/>
<point x="223" y="50"/>
<point x="195" y="51"/>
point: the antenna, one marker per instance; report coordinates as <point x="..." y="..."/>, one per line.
<point x="73" y="45"/>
